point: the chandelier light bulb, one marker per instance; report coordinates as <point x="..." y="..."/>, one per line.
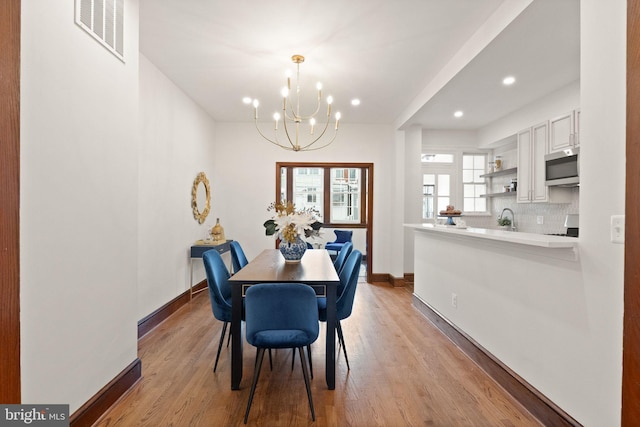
<point x="284" y="92"/>
<point x="329" y="99"/>
<point x="255" y="109"/>
<point x="276" y="117"/>
<point x="247" y="100"/>
<point x="312" y="122"/>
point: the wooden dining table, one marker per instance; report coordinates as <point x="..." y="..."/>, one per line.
<point x="315" y="269"/>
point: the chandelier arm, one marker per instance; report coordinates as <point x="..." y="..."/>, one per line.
<point x="270" y="140"/>
<point x="293" y="115"/>
<point x="322" y="146"/>
<point x="311" y="115"/>
<point x="326" y="125"/>
<point x="286" y="131"/>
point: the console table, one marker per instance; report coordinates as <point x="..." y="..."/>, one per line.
<point x="198" y="250"/>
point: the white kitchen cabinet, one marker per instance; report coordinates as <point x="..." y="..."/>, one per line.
<point x="564" y="131"/>
<point x="532" y="146"/>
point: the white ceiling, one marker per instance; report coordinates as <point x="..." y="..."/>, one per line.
<point x="380" y="51"/>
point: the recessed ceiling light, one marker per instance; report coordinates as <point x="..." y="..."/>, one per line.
<point x="458" y="114"/>
<point x="508" y="81"/>
<point x="355" y="101"/>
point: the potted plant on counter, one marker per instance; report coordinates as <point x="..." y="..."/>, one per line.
<point x="504" y="222"/>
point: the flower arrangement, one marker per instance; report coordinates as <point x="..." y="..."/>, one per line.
<point x="289" y="223"/>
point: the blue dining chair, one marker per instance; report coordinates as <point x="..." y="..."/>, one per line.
<point x="342" y="237"/>
<point x="281" y="315"/>
<point x="238" y="258"/>
<point x="219" y="293"/>
<point x="342" y="256"/>
<point x="344" y="303"/>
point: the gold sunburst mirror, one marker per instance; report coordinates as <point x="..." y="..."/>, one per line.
<point x="201" y="198"/>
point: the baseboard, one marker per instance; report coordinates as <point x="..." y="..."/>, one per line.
<point x="547" y="412"/>
<point x="95" y="407"/>
<point x="396" y="282"/>
<point x="154" y="319"/>
<point x="380" y="277"/>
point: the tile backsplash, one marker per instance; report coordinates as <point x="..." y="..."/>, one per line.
<point x="553" y="214"/>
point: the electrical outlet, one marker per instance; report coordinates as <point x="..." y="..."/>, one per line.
<point x="617" y="228"/>
<point x="454" y="300"/>
<point x="540" y="219"/>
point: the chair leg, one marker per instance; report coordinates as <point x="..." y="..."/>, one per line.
<point x="306" y="381"/>
<point x="344" y="347"/>
<point x="293" y="360"/>
<point x="270" y="360"/>
<point x="256" y="374"/>
<point x="224" y="330"/>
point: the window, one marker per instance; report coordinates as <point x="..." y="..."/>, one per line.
<point x="437" y="158"/>
<point x="308" y="188"/>
<point x="338" y="191"/>
<point x="345" y="195"/>
<point x="473" y="185"/>
<point x="436" y="190"/>
<point x="428" y="192"/>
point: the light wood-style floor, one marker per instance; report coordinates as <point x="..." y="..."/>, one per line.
<point x="404" y="372"/>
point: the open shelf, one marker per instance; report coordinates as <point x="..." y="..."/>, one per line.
<point x="502" y="194"/>
<point x="500" y="173"/>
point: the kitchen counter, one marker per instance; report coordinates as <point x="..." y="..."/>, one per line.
<point x="529" y="239"/>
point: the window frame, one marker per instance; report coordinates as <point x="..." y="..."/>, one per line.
<point x="486" y="155"/>
<point x="455" y="170"/>
<point x="367" y="179"/>
<point x="366" y="190"/>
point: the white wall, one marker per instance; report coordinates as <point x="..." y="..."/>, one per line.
<point x="244" y="173"/>
<point x="560" y="325"/>
<point x="78" y="220"/>
<point x="602" y="142"/>
<point x="548" y="107"/>
<point x="176" y="143"/>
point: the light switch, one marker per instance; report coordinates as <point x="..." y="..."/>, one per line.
<point x="617" y="228"/>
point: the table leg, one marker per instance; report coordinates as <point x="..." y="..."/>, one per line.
<point x="191" y="280"/>
<point x="236" y="336"/>
<point x="331" y="337"/>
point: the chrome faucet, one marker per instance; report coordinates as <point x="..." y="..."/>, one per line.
<point x="513" y="218"/>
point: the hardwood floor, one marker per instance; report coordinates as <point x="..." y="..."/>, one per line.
<point x="404" y="372"/>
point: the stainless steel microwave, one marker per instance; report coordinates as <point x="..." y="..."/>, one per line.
<point x="562" y="168"/>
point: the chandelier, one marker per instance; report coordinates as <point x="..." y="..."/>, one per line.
<point x="295" y="124"/>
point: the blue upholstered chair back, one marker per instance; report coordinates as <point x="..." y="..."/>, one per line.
<point x="348" y="278"/>
<point x="342" y="256"/>
<point x="219" y="287"/>
<point x="281" y="315"/>
<point x="343" y="236"/>
<point x="238" y="258"/>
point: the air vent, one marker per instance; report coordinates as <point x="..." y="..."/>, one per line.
<point x="103" y="19"/>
